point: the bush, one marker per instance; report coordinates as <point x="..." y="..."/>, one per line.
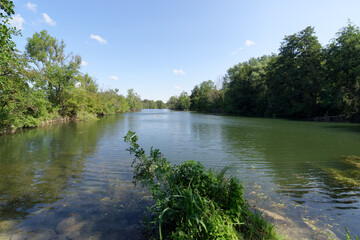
<point x="192" y="202"/>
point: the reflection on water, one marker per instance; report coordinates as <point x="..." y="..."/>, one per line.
<point x="57" y="183"/>
<point x="74" y="180"/>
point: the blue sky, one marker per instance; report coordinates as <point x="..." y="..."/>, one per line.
<point x="163" y="47"/>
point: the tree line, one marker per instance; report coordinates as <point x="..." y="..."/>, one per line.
<point x="304" y="80"/>
<point x="44" y="83"/>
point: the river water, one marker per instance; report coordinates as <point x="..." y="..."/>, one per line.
<point x="73" y="180"/>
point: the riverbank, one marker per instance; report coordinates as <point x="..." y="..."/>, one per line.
<point x="41" y="124"/>
<point x="337" y="119"/>
<point x="82" y="116"/>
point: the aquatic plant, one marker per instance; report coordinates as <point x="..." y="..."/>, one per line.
<point x="348" y="176"/>
<point x="349" y="237"/>
<point x="352" y="160"/>
<point x="192" y="202"/>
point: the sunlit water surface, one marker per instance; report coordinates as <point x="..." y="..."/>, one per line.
<point x="73" y="181"/>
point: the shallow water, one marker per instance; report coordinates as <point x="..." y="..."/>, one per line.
<point x="74" y="180"/>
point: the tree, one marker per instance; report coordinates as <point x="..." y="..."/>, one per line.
<point x="160" y="104"/>
<point x="8" y="58"/>
<point x="149" y="104"/>
<point x="295" y="77"/>
<point x="183" y="102"/>
<point x="19" y="105"/>
<point x="56" y="71"/>
<point x="133" y="100"/>
<point x="204" y="97"/>
<point x="172" y="102"/>
<point x="343" y="72"/>
<point x="245" y="90"/>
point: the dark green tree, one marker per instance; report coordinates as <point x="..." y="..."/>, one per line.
<point x="149" y="104"/>
<point x="295" y="78"/>
<point x="245" y="91"/>
<point x="343" y="72"/>
<point x="183" y="102"/>
<point x="172" y="102"/>
<point x="160" y="104"/>
<point x="204" y="97"/>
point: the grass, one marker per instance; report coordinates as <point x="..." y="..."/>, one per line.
<point x="349" y="237"/>
<point x="192" y="202"/>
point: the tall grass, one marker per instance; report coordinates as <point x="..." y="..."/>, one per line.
<point x="349" y="237"/>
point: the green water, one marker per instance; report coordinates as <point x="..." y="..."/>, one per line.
<point x="74" y="180"/>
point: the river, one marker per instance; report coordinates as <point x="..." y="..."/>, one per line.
<point x="73" y="180"/>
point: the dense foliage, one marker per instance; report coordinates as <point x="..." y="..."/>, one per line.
<point x="45" y="83"/>
<point x="179" y="103"/>
<point x="193" y="203"/>
<point x="305" y="80"/>
<point x="151" y="104"/>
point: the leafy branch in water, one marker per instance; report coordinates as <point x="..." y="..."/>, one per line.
<point x="192" y="202"/>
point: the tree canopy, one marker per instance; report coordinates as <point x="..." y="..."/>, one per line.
<point x="44" y="83"/>
<point x="304" y="80"/>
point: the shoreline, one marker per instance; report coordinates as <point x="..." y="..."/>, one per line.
<point x="327" y="119"/>
<point x="334" y="119"/>
<point x="42" y="124"/>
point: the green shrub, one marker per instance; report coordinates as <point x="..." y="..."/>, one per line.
<point x="192" y="202"/>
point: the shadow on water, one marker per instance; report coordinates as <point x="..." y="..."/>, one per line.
<point x="353" y="128"/>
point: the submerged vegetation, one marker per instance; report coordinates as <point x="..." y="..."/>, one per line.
<point x="349" y="176"/>
<point x="192" y="202"/>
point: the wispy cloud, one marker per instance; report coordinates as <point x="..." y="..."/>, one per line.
<point x="177" y="87"/>
<point x="83" y="63"/>
<point x="113" y="77"/>
<point x="31" y="6"/>
<point x="98" y="38"/>
<point x="179" y="72"/>
<point x="17" y="21"/>
<point x="48" y="19"/>
<point x="249" y="43"/>
<point x="236" y="51"/>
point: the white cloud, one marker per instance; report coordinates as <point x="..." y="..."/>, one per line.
<point x="84" y="64"/>
<point x="48" y="20"/>
<point x="17" y="21"/>
<point x="31" y="6"/>
<point x="248" y="43"/>
<point x="177" y="87"/>
<point x="113" y="77"/>
<point x="179" y="72"/>
<point x="98" y="38"/>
